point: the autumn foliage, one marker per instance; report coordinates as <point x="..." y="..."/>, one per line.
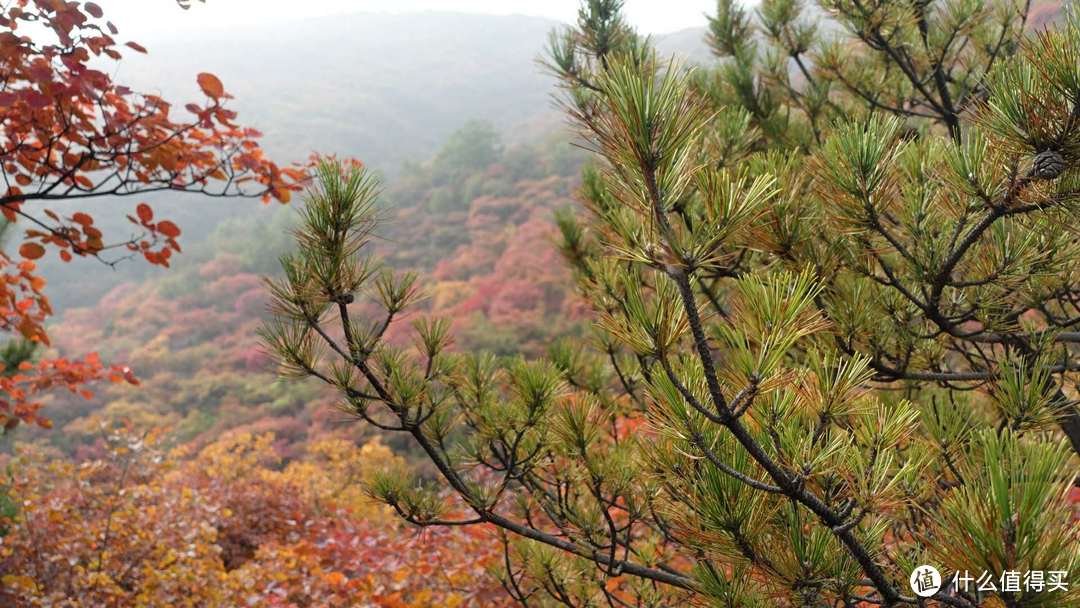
<point x="192" y="332"/>
<point x="69" y="132"/>
<point x="225" y="526"/>
<point x="482" y="242"/>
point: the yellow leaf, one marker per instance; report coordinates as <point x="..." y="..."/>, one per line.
<point x="18" y="580"/>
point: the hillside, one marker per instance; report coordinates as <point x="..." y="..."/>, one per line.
<point x="475" y="222"/>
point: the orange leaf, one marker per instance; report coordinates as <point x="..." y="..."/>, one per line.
<point x="169" y="229"/>
<point x="211" y="85"/>
<point x="31" y="251"/>
<point x="82" y="218"/>
<point x="335" y="579"/>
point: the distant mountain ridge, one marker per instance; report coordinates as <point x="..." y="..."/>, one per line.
<point x="384" y="88"/>
<point x="687" y="44"/>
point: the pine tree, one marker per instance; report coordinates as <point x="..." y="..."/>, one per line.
<point x="834" y="281"/>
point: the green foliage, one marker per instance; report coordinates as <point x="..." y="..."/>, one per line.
<point x="474" y="146"/>
<point x="9" y="508"/>
<point x="14" y="353"/>
<point x="1009" y="513"/>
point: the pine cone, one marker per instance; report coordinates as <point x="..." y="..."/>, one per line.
<point x="1047" y="165"/>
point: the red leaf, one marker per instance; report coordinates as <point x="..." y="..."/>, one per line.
<point x="211" y="85"/>
<point x="137" y="47"/>
<point x="37" y="100"/>
<point x="145" y="212"/>
<point x="31" y="251"/>
<point x="94" y="10"/>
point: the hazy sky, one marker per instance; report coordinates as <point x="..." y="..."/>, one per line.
<point x="135" y="16"/>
